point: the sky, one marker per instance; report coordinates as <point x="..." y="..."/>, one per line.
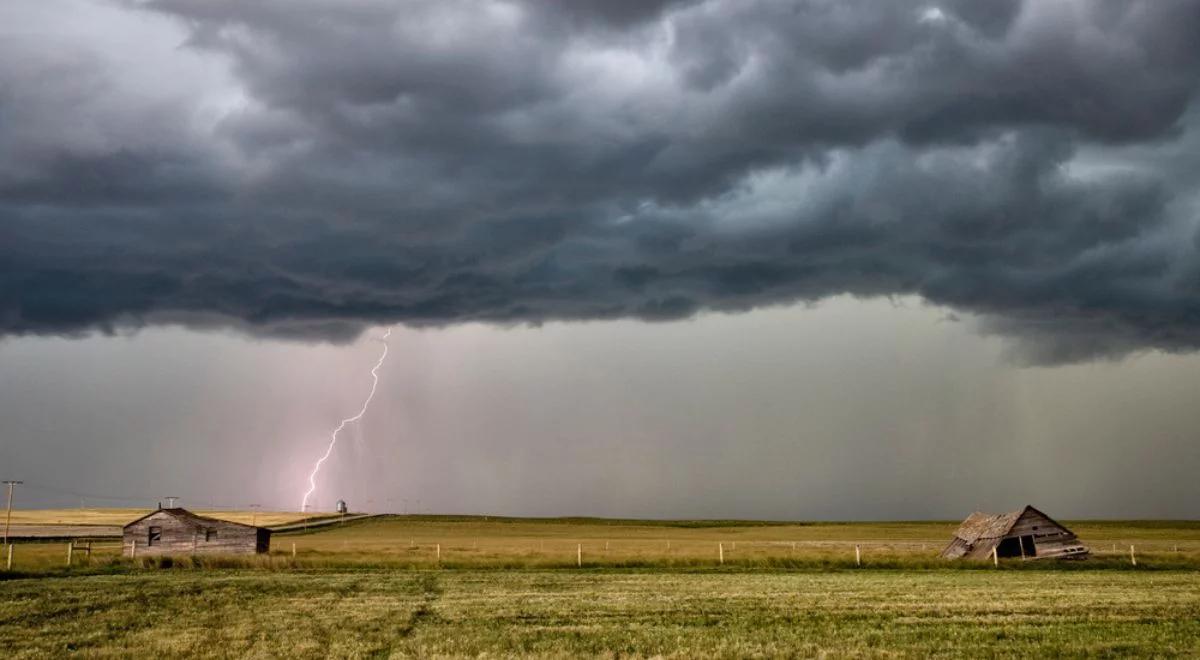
<point x="711" y="258"/>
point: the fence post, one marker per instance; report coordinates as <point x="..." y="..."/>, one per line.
<point x="439" y="552"/>
<point x="8" y="564"/>
<point x="721" y="553"/>
<point x="857" y="556"/>
<point x="89" y="550"/>
<point x="293" y="551"/>
<point x="133" y="549"/>
<point x="1132" y="556"/>
<point x="579" y="555"/>
<point x="995" y="558"/>
<point x="70" y="548"/>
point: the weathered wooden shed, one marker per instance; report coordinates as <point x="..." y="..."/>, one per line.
<point x="181" y="532"/>
<point x="1026" y="533"/>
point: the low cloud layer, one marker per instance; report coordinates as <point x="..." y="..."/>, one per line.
<point x="310" y="168"/>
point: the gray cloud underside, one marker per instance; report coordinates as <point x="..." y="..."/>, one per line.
<point x="308" y="168"/>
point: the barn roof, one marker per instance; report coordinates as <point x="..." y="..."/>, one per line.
<point x="980" y="525"/>
<point x="184" y="514"/>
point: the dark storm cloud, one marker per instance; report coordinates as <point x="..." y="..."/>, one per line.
<point x="438" y="162"/>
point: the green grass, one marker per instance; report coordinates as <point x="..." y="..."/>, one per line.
<point x="381" y="613"/>
<point x="375" y="588"/>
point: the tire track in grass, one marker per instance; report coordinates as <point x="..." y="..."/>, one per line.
<point x="431" y="591"/>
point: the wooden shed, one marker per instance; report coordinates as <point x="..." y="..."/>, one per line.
<point x="181" y="532"/>
<point x="1026" y="533"/>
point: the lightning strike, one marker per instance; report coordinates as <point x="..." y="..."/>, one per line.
<point x="312" y="478"/>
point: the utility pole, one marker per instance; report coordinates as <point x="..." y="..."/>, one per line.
<point x="254" y="515"/>
<point x="8" y="516"/>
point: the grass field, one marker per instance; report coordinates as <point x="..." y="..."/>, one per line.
<point x="381" y="613"/>
<point x="122" y="516"/>
<point x="377" y="588"/>
<point x="478" y="542"/>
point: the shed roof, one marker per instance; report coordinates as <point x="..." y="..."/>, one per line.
<point x="184" y="514"/>
<point x="980" y="525"/>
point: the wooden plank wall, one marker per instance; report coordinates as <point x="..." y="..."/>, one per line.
<point x="1049" y="537"/>
<point x="185" y="536"/>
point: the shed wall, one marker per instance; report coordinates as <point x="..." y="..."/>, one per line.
<point x="1050" y="538"/>
<point x="184" y="535"/>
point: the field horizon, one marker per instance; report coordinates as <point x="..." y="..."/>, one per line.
<point x="467" y="585"/>
<point x="115" y="515"/>
<point x="410" y="542"/>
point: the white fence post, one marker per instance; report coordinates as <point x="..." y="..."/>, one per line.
<point x="579" y="555"/>
<point x="721" y="553"/>
<point x="857" y="556"/>
<point x="1132" y="556"/>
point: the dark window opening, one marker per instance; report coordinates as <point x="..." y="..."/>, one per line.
<point x="1009" y="547"/>
<point x="209" y="534"/>
<point x="1028" y="546"/>
<point x="155" y="536"/>
<point x="1017" y="546"/>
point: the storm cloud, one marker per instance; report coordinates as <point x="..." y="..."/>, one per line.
<point x="310" y="168"/>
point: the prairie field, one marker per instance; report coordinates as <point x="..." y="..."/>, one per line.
<point x="108" y="517"/>
<point x="715" y="613"/>
<point x="415" y="542"/>
<point x="398" y="586"/>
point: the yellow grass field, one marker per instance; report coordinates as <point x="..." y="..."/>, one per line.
<point x="477" y="541"/>
<point x="108" y="517"/>
<point x="443" y="586"/>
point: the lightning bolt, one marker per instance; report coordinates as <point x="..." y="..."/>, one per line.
<point x="312" y="478"/>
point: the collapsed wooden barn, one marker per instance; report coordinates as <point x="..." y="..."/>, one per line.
<point x="181" y="532"/>
<point x="1026" y="533"/>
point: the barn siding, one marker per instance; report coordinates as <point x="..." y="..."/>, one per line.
<point x="1050" y="538"/>
<point x="184" y="533"/>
